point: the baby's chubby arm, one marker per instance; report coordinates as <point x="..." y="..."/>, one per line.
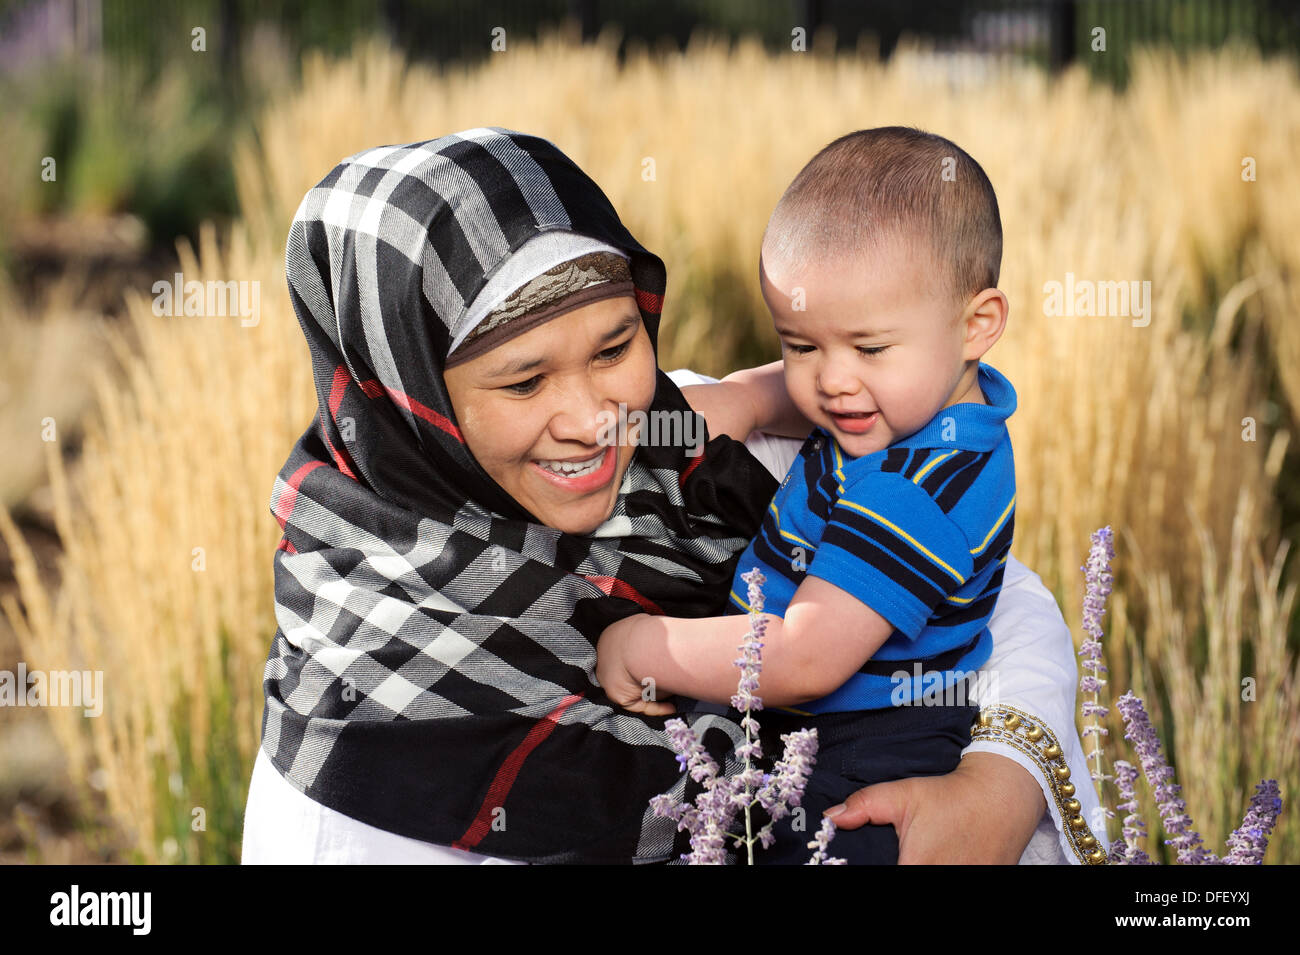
<point x="749" y="400"/>
<point x="825" y="637"/>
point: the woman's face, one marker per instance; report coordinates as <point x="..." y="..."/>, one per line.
<point x="531" y="410"/>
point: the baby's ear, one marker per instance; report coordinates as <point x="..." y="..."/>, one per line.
<point x="986" y="319"/>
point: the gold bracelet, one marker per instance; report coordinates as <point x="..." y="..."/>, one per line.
<point x="1030" y="735"/>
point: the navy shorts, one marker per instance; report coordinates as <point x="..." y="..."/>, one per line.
<point x="854" y="750"/>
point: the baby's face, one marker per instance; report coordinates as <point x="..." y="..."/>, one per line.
<point x="876" y="349"/>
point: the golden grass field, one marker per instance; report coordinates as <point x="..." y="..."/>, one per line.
<point x="1141" y="428"/>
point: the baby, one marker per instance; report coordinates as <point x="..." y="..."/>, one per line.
<point x="883" y="549"/>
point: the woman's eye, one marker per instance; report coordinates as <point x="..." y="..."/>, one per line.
<point x="609" y="354"/>
<point x="524" y="387"/>
<point x="873" y="350"/>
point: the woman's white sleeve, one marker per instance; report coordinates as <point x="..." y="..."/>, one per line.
<point x="1027" y="708"/>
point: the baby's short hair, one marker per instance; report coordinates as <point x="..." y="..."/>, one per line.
<point x="893" y="182"/>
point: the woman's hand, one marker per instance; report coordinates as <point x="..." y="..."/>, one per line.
<point x="612" y="672"/>
<point x="982" y="813"/>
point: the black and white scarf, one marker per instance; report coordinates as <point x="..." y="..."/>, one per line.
<point x="432" y="670"/>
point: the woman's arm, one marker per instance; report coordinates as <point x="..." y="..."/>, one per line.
<point x="1032" y="679"/>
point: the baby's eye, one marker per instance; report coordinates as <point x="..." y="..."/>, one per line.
<point x="873" y="349"/>
<point x="609" y="354"/>
<point x="524" y="387"/>
<point x="800" y="349"/>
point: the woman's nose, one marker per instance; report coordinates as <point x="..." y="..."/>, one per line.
<point x="580" y="414"/>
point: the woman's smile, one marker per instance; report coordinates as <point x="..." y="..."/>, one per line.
<point x="579" y="475"/>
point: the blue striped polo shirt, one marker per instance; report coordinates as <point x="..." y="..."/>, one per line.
<point x="918" y="531"/>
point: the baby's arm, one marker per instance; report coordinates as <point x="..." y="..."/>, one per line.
<point x="749" y="400"/>
<point x="825" y="637"/>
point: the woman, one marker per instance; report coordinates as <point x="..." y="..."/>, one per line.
<point x="472" y="304"/>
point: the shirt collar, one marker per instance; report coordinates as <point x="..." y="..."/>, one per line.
<point x="968" y="426"/>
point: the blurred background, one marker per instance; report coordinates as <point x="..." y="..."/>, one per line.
<point x="1127" y="141"/>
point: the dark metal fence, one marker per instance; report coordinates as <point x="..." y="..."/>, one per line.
<point x="1054" y="33"/>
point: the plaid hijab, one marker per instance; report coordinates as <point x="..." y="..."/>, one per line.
<point x="432" y="670"/>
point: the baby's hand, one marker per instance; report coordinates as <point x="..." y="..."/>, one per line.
<point x="612" y="674"/>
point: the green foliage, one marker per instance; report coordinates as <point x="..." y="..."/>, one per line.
<point x="215" y="781"/>
<point x="157" y="148"/>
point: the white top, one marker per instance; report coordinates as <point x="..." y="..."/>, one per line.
<point x="284" y="826"/>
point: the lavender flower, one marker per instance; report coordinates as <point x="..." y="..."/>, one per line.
<point x="819" y="843"/>
<point x="1128" y="851"/>
<point x="1248" y="842"/>
<point x="1098" y="578"/>
<point x="750" y="660"/>
<point x="693" y="757"/>
<point x="1160" y="776"/>
<point x="723" y="798"/>
<point x="785" y="787"/>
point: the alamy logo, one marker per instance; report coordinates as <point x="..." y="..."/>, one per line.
<point x="930" y="688"/>
<point x="211" y="299"/>
<point x="656" y="429"/>
<point x="1086" y="298"/>
<point x="84" y="688"/>
<point x="75" y="907"/>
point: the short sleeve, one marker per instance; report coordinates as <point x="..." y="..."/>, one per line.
<point x="890" y="545"/>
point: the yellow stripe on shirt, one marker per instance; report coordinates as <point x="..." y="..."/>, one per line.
<point x="905" y="535"/>
<point x="943" y="457"/>
<point x="1000" y="521"/>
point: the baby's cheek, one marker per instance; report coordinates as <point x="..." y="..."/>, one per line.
<point x="802" y="394"/>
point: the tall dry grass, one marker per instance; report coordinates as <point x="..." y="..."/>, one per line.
<point x="49" y="348"/>
<point x="167" y="582"/>
<point x="1138" y="427"/>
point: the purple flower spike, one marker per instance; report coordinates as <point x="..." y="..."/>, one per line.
<point x="724" y="797"/>
<point x="1248" y="842"/>
<point x="1127" y="851"/>
<point x="1160" y="776"/>
<point x="1097" y="577"/>
<point x="819" y="843"/>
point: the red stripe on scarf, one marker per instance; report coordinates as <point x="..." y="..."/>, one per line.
<point x="339" y="385"/>
<point x="621" y="588"/>
<point x="508" y="772"/>
<point x="681" y="481"/>
<point x="649" y="301"/>
<point x="373" y="389"/>
<point x="286" y="545"/>
<point x="284" y="506"/>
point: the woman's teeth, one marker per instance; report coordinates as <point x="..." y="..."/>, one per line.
<point x="573" y="468"/>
